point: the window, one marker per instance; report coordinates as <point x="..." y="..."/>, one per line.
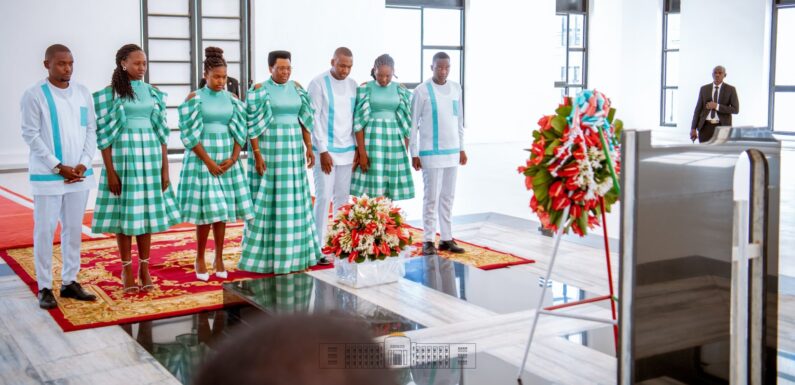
<point x="572" y="51"/>
<point x="670" y="63"/>
<point x="416" y="30"/>
<point x="175" y="35"/>
<point x="782" y="79"/>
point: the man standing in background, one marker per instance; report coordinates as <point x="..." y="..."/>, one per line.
<point x="716" y="103"/>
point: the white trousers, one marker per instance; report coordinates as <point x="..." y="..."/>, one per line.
<point x="334" y="187"/>
<point x="439" y="192"/>
<point x="48" y="210"/>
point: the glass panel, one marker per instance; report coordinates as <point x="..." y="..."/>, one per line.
<point x="172" y="118"/>
<point x="174" y="7"/>
<point x="575" y="68"/>
<point x="669" y="106"/>
<point x="221" y="8"/>
<point x="402" y="36"/>
<point x="442" y="26"/>
<point x="231" y="49"/>
<point x="233" y="70"/>
<point x="176" y="94"/>
<point x="576" y="31"/>
<point x="574" y="90"/>
<point x="785" y="47"/>
<point x="169" y="50"/>
<point x="220" y="29"/>
<point x="672" y="37"/>
<point x="169" y="26"/>
<point x="174" y="142"/>
<point x="781" y="120"/>
<point x="455" y="64"/>
<point x="169" y="73"/>
<point x="561" y="35"/>
<point x="672" y="68"/>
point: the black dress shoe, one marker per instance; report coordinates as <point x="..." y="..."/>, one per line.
<point x="46" y="299"/>
<point x="323" y="262"/>
<point x="73" y="290"/>
<point x="428" y="248"/>
<point x="451" y="246"/>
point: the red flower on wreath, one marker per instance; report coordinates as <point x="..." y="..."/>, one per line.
<point x="568" y="163"/>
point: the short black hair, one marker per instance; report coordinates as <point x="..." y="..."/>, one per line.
<point x="273" y="55"/>
<point x="343" y="51"/>
<point x="55" y="48"/>
<point x="440" y="55"/>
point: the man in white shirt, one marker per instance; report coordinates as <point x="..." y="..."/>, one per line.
<point x="333" y="96"/>
<point x="437" y="118"/>
<point x="59" y="126"/>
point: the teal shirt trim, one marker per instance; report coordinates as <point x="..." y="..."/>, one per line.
<point x="56" y="129"/>
<point x="330" y="147"/>
<point x="54" y="177"/>
<point x="435" y="115"/>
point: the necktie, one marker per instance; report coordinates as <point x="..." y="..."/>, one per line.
<point x="713" y="114"/>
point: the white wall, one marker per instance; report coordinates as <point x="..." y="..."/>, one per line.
<point x="509" y="68"/>
<point x="312" y="30"/>
<point x="624" y="59"/>
<point x="740" y="42"/>
<point x="30" y="26"/>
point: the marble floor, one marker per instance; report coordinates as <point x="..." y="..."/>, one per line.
<point x="33" y="350"/>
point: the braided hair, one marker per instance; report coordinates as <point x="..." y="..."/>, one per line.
<point x="213" y="57"/>
<point x="383" y="60"/>
<point x="120" y="82"/>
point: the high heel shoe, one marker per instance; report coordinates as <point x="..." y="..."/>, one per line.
<point x="201" y="276"/>
<point x="151" y="285"/>
<point x="220" y="274"/>
<point x="127" y="290"/>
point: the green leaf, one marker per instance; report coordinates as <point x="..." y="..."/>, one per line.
<point x="558" y="124"/>
<point x="563" y="111"/>
<point x="619" y="126"/>
<point x="536" y="133"/>
<point x="550" y="135"/>
<point x="551" y="147"/>
<point x="541" y="192"/>
<point x="554" y="217"/>
<point x="582" y="221"/>
<point x="610" y="115"/>
<point x="542" y="177"/>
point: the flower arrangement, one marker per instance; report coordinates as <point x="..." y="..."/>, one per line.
<point x="574" y="163"/>
<point x="367" y="229"/>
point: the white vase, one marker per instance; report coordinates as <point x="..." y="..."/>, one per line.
<point x="370" y="273"/>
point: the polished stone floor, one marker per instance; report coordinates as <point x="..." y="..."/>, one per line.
<point x="490" y="309"/>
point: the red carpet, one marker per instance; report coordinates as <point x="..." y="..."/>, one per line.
<point x="16" y="222"/>
<point x="172" y="270"/>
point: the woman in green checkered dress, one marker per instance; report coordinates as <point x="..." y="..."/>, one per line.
<point x="281" y="237"/>
<point x="212" y="184"/>
<point x="134" y="197"/>
<point x="382" y="122"/>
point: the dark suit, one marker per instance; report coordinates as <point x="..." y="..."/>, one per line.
<point x="728" y="104"/>
<point x="232" y="85"/>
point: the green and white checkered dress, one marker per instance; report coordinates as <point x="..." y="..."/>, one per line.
<point x="135" y="130"/>
<point x="282" y="294"/>
<point x="384" y="113"/>
<point x="281" y="237"/>
<point x="217" y="121"/>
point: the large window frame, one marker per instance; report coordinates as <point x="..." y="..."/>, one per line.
<point x="197" y="38"/>
<point x="421" y="6"/>
<point x="774" y="87"/>
<point x="565" y="9"/>
<point x="668" y="112"/>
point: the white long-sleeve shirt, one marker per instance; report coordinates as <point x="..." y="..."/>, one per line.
<point x="333" y="101"/>
<point x="437" y="124"/>
<point x="59" y="126"/>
